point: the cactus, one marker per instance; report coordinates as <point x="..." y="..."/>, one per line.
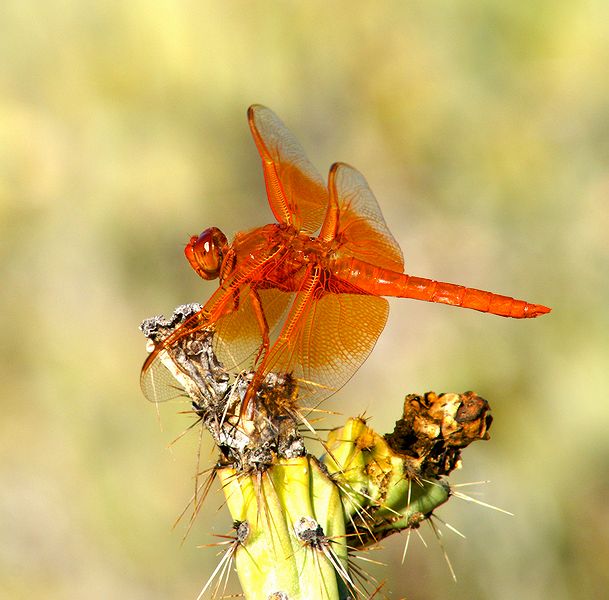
<point x="298" y="518"/>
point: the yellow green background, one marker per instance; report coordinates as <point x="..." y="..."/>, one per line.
<point x="482" y="127"/>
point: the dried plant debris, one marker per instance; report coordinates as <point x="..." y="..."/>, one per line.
<point x="216" y="396"/>
<point x="434" y="429"/>
<point x="159" y="328"/>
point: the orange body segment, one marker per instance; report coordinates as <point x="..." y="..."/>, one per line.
<point x="465" y="297"/>
<point x="383" y="282"/>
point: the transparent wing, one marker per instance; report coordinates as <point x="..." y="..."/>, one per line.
<point x="325" y="339"/>
<point x="160" y="378"/>
<point x="164" y="374"/>
<point x="237" y="334"/>
<point x="296" y="191"/>
<point x="361" y="228"/>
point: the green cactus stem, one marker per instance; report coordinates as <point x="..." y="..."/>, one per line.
<point x="296" y="541"/>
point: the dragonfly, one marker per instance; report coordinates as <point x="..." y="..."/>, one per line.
<point x="305" y="295"/>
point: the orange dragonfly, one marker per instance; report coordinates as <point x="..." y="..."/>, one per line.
<point x="304" y="295"/>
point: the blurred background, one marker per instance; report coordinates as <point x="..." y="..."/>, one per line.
<point x="482" y="127"/>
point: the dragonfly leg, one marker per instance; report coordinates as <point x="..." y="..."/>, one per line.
<point x="272" y="360"/>
<point x="262" y="324"/>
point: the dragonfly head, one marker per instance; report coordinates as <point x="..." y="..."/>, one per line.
<point x="206" y="252"/>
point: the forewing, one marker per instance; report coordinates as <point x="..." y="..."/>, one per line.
<point x="325" y="339"/>
<point x="362" y="230"/>
<point x="296" y="191"/>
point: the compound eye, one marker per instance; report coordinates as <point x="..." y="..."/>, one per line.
<point x="206" y="252"/>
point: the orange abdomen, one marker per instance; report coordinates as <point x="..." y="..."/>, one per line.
<point x="383" y="282"/>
